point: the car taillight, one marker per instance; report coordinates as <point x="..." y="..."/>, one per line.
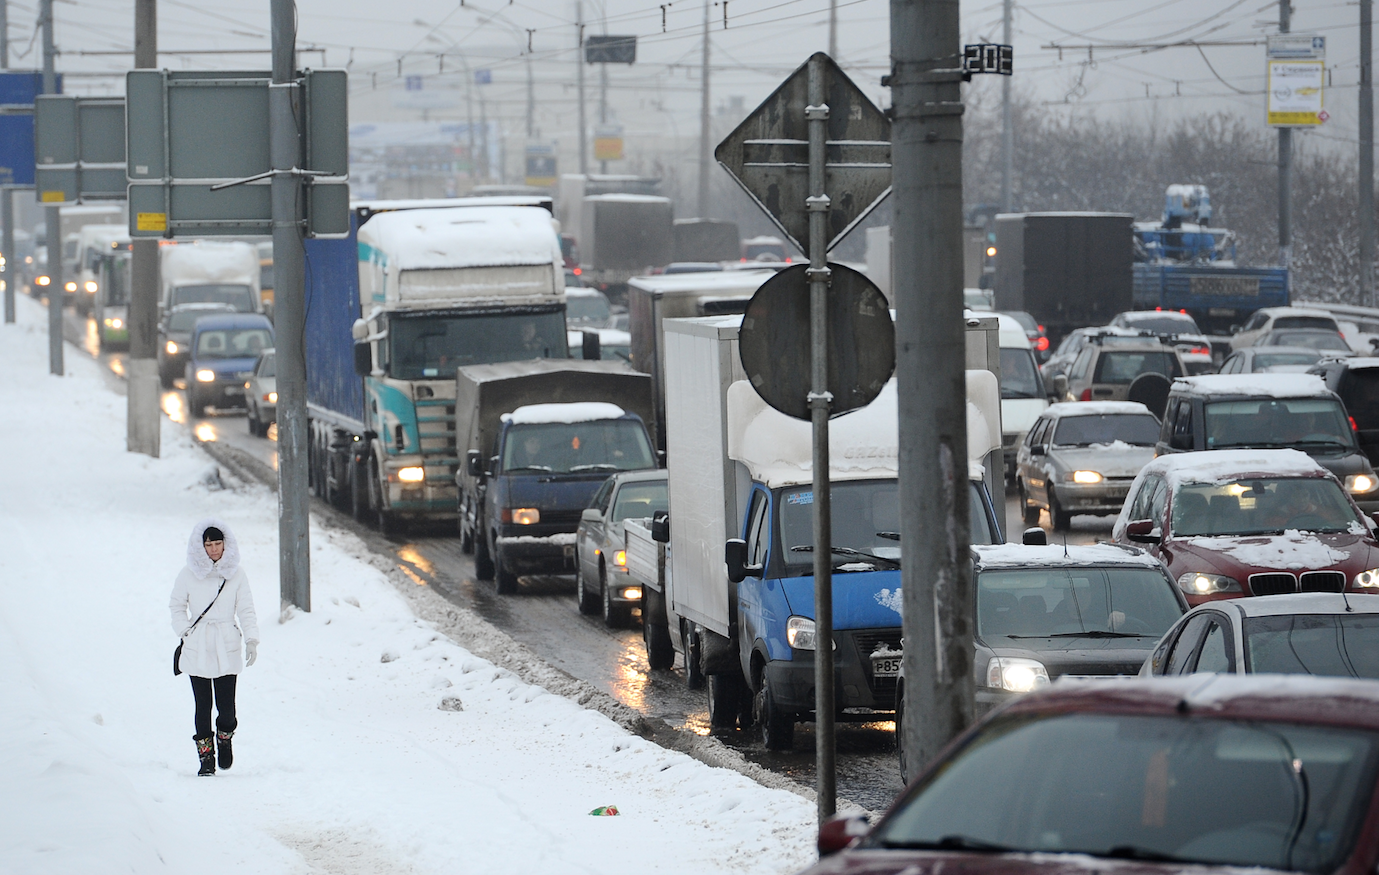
<point x="1201" y="350"/>
<point x="1353" y="426"/>
<point x="1086" y="394"/>
<point x="1041" y="344"/>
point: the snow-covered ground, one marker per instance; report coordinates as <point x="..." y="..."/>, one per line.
<point x="345" y="759"/>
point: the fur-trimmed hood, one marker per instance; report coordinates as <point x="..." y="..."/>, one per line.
<point x="197" y="560"/>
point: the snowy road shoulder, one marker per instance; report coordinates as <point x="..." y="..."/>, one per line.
<point x="368" y="741"/>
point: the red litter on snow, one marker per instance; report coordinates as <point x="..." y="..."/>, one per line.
<point x="605" y="811"/>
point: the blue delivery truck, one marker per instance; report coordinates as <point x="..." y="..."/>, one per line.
<point x="417" y="290"/>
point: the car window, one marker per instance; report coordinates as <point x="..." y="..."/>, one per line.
<point x="1279" y="359"/>
<point x="1083" y="363"/>
<point x="1319" y="340"/>
<point x="1316" y="425"/>
<point x="1180" y="658"/>
<point x="1343" y="645"/>
<point x="1359" y="389"/>
<point x="1019" y="374"/>
<point x="1081" y="431"/>
<point x="637" y="500"/>
<point x="757" y="530"/>
<point x="1263" y="505"/>
<point x="601" y="497"/>
<point x="1254" y="321"/>
<point x="266" y="367"/>
<point x="1214" y="655"/>
<point x="1325" y="323"/>
<point x="1182" y="426"/>
<point x="1036" y="602"/>
<point x="1036" y="434"/>
<point x="232" y="343"/>
<point x="1140" y="508"/>
<point x="1157" y="499"/>
<point x="1123" y="366"/>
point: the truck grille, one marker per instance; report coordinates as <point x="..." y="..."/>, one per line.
<point x="1323" y="581"/>
<point x="1273" y="584"/>
<point x="436" y="430"/>
<point x="882" y="689"/>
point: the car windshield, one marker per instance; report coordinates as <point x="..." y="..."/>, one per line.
<point x="434" y="346"/>
<point x="1192" y="789"/>
<point x="605" y="445"/>
<point x="1164" y="323"/>
<point x="1019" y="374"/>
<point x="1315" y="425"/>
<point x="1260" y="506"/>
<point x="1312" y="339"/>
<point x="1264" y="360"/>
<point x="240" y="297"/>
<point x="185" y="320"/>
<point x="586" y="309"/>
<point x="1123" y="366"/>
<point x="115" y="277"/>
<point x="1038" y="602"/>
<point x="232" y="343"/>
<point x="1142" y="430"/>
<point x="1345" y="645"/>
<point x="639" y="500"/>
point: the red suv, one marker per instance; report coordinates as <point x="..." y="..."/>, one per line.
<point x="1232" y="523"/>
<point x="1143" y="776"/>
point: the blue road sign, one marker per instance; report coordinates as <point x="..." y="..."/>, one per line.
<point x="18" y="88"/>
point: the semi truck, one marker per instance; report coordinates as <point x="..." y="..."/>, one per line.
<point x="416" y="290"/>
<point x="538" y="439"/>
<point x="735" y="593"/>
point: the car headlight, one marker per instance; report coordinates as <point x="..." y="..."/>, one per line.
<point x="620" y="558"/>
<point x="1016" y="674"/>
<point x="799" y="633"/>
<point x="411" y="475"/>
<point x="91" y="286"/>
<point x="1202" y="583"/>
<point x="1086" y="478"/>
<point x="1357" y="484"/>
<point x="1368" y="579"/>
<point x="205" y="375"/>
<point x="171" y="348"/>
<point x="42" y="280"/>
<point x="271" y="397"/>
<point x="114" y="323"/>
<point x="71" y="287"/>
<point x="526" y="516"/>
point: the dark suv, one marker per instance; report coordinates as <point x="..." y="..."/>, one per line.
<point x="1356" y="382"/>
<point x="1269" y="411"/>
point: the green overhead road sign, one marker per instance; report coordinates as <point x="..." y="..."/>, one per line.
<point x="79" y="149"/>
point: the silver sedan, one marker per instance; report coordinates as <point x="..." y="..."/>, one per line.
<point x="1081" y="457"/>
<point x="600" y="545"/>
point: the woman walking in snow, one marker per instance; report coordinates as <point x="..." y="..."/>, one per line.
<point x="207" y="597"/>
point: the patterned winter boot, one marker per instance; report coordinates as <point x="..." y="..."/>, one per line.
<point x="222" y="745"/>
<point x="205" y="748"/>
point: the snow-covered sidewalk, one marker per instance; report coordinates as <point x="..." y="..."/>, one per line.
<point x="368" y="742"/>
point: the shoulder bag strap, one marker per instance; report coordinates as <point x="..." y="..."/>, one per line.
<point x="208" y="607"/>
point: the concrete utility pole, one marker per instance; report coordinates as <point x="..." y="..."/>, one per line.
<point x="579" y="79"/>
<point x="833" y="29"/>
<point x="705" y="147"/>
<point x="531" y="103"/>
<point x="53" y="215"/>
<point x="289" y="311"/>
<point x="926" y="195"/>
<point x="1285" y="167"/>
<point x="1007" y="126"/>
<point x="1367" y="297"/>
<point x="143" y="420"/>
<point x="7" y="193"/>
<point x="603" y="105"/>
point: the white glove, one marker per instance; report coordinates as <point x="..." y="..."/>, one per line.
<point x="251" y="652"/>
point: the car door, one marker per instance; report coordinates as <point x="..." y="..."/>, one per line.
<point x="1182" y="653"/>
<point x="591" y="530"/>
<point x="1029" y="463"/>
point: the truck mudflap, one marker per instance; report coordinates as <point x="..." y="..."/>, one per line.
<point x="866" y="665"/>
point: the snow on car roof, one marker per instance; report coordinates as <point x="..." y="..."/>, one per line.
<point x="1265" y="385"/>
<point x="1307" y="603"/>
<point x="1224" y="466"/>
<point x="583" y="292"/>
<point x="1055" y="555"/>
<point x="707" y="282"/>
<point x="1097" y="408"/>
<point x="1356" y="364"/>
<point x="578" y="411"/>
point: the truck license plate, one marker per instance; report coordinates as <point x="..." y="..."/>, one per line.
<point x="887" y="666"/>
<point x="234" y="390"/>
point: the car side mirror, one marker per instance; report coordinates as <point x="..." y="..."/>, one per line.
<point x="590" y="347"/>
<point x="474" y="463"/>
<point x="660" y="527"/>
<point x="1060" y="385"/>
<point x="1037" y="450"/>
<point x="363" y="360"/>
<point x="1180" y="442"/>
<point x="493" y="466"/>
<point x="840" y="832"/>
<point x="1234" y="329"/>
<point x="735" y="554"/>
<point x="591" y="515"/>
<point x="1142" y="532"/>
<point x="1035" y="537"/>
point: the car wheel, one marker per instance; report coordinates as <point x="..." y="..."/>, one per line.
<point x="616" y="615"/>
<point x="730" y="703"/>
<point x="504" y="578"/>
<point x="165" y="378"/>
<point x="694" y="666"/>
<point x="483" y="560"/>
<point x="660" y="651"/>
<point x="777" y="726"/>
<point x="1062" y="520"/>
<point x="587" y="596"/>
<point x="1030" y="511"/>
<point x="251" y="420"/>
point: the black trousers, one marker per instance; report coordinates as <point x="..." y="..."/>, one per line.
<point x="224" y="688"/>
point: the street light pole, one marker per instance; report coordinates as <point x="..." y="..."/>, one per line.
<point x="143" y="419"/>
<point x="1285" y="166"/>
<point x="1367" y="297"/>
<point x="53" y="214"/>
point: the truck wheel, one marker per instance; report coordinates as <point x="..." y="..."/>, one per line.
<point x="730" y="705"/>
<point x="1062" y="521"/>
<point x="252" y="421"/>
<point x="660" y="651"/>
<point x="165" y="379"/>
<point x="777" y="726"/>
<point x="359" y="492"/>
<point x="615" y="615"/>
<point x="504" y="580"/>
<point x="483" y="560"/>
<point x="586" y="595"/>
<point x="694" y="667"/>
<point x="1030" y="511"/>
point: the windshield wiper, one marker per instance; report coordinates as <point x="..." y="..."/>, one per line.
<point x="1100" y="633"/>
<point x="1135" y="852"/>
<point x="1333" y="444"/>
<point x="889" y="536"/>
<point x="848" y="551"/>
<point x="601" y="466"/>
<point x="951" y="843"/>
<point x="543" y="468"/>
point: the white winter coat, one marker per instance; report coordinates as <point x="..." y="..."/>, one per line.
<point x="212" y="649"/>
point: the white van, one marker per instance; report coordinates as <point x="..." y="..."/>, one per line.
<point x="1023" y="397"/>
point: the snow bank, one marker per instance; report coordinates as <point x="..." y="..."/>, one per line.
<point x="433" y="761"/>
<point x="577" y="411"/>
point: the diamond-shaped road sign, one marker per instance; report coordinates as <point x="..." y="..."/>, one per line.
<point x="768" y="155"/>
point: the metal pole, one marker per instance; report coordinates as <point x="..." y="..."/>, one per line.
<point x="820" y="402"/>
<point x="1367" y="297"/>
<point x="289" y="311"/>
<point x="705" y="147"/>
<point x="7" y="217"/>
<point x="531" y="103"/>
<point x="603" y="106"/>
<point x="483" y="134"/>
<point x="143" y="419"/>
<point x="54" y="214"/>
<point x="1007" y="126"/>
<point x="4" y="34"/>
<point x="926" y="196"/>
<point x="833" y="29"/>
<point x="579" y="79"/>
<point x="1285" y="168"/>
